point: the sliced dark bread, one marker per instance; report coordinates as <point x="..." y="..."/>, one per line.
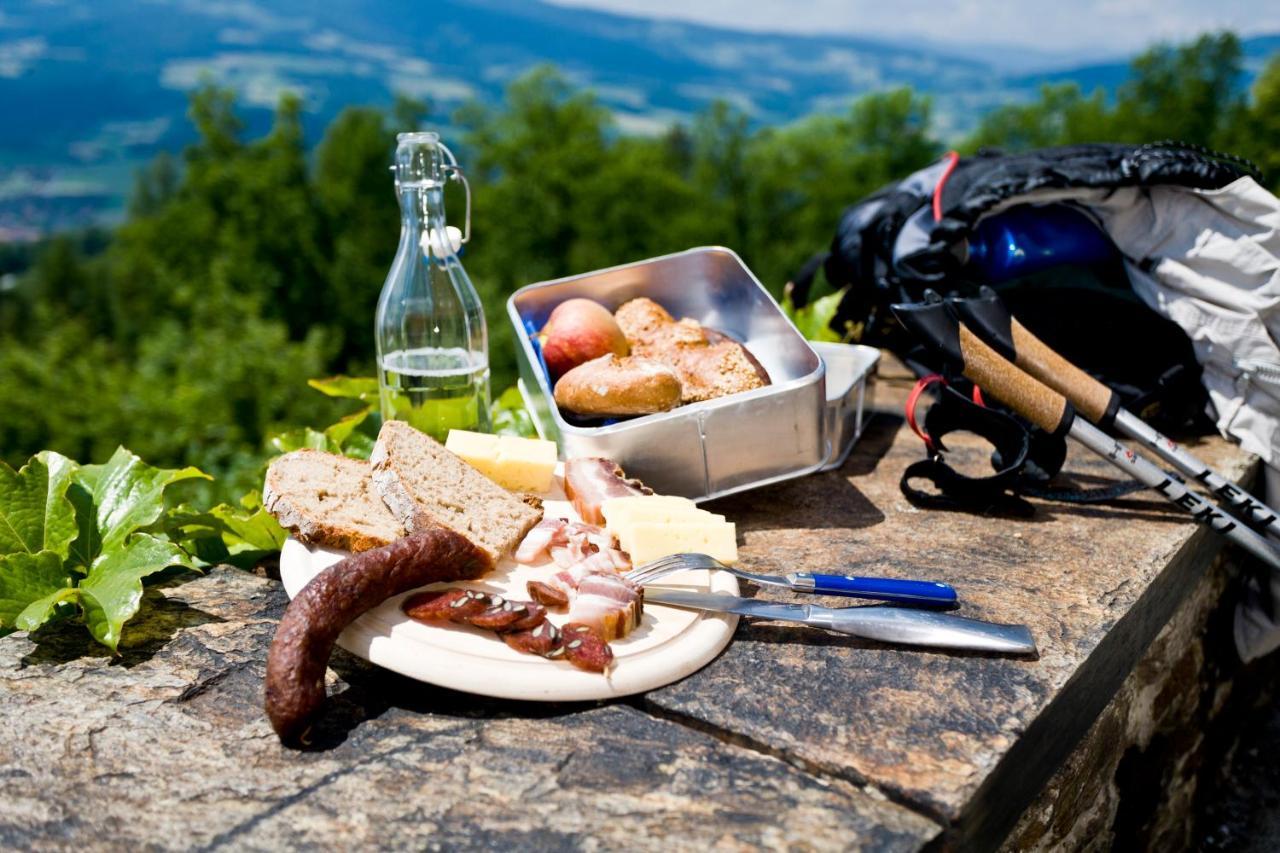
<point x="326" y="499"/>
<point x="425" y="484"/>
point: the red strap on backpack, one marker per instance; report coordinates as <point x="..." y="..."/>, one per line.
<point x="914" y="397"/>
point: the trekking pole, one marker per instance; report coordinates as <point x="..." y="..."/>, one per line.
<point x="937" y="326"/>
<point x="990" y="319"/>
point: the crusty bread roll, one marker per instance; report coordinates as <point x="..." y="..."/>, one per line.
<point x="618" y="385"/>
<point x="710" y="364"/>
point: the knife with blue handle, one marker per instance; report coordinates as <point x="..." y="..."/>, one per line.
<point x="896" y="625"/>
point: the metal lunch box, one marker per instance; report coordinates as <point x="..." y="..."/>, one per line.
<point x="806" y="420"/>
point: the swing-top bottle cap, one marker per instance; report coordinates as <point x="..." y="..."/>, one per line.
<point x="423" y="161"/>
<point x="419" y="160"/>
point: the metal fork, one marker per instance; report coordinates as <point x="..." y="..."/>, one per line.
<point x="880" y="589"/>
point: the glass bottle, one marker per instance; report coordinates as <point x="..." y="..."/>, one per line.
<point x="433" y="347"/>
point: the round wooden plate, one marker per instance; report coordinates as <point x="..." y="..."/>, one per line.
<point x="669" y="644"/>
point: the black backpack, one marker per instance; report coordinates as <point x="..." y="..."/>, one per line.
<point x="910" y="237"/>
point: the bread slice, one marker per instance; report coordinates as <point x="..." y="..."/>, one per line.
<point x="326" y="499"/>
<point x="425" y="484"/>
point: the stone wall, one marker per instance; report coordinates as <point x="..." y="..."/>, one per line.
<point x="1163" y="744"/>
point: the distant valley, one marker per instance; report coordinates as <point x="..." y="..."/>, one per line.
<point x="90" y="90"/>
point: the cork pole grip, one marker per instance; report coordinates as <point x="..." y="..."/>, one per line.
<point x="1090" y="397"/>
<point x="995" y="374"/>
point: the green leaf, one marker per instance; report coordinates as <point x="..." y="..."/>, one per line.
<point x="112" y="592"/>
<point x="814" y="319"/>
<point x="296" y="439"/>
<point x="41" y="610"/>
<point x="226" y="534"/>
<point x="88" y="541"/>
<point x="28" y="578"/>
<point x="510" y="417"/>
<point x="127" y="495"/>
<point x="35" y="514"/>
<point x="341" y="431"/>
<point x="358" y="446"/>
<point x="249" y="529"/>
<point x="357" y="387"/>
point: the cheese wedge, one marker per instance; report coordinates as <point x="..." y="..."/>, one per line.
<point x="518" y="464"/>
<point x="649" y="540"/>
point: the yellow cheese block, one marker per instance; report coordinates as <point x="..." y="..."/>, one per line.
<point x="518" y="464"/>
<point x="649" y="540"/>
<point x="617" y="511"/>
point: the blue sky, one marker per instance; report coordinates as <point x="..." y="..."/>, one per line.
<point x="1082" y="27"/>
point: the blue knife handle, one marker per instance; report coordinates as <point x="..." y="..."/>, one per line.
<point x="882" y="589"/>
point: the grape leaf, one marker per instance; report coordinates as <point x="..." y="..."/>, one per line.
<point x="357" y="387"/>
<point x="127" y="494"/>
<point x="112" y="592"/>
<point x="29" y="578"/>
<point x="35" y="514"/>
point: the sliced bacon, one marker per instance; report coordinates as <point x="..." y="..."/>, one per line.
<point x="590" y="481"/>
<point x="533" y="549"/>
<point x="589" y="579"/>
<point x="610" y="604"/>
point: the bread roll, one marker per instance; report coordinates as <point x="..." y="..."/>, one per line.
<point x="710" y="364"/>
<point x="618" y="385"/>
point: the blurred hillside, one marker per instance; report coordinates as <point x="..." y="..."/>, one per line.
<point x="250" y="262"/>
<point x="92" y="90"/>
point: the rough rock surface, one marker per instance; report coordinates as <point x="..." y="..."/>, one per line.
<point x="791" y="738"/>
<point x="966" y="739"/>
<point x="167" y="747"/>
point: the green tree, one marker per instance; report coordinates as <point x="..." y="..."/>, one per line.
<point x="803" y="175"/>
<point x="1190" y="93"/>
<point x="528" y="163"/>
<point x="1257" y="134"/>
<point x="357" y="204"/>
<point x="1062" y="116"/>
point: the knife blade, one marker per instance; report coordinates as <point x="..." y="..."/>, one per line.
<point x="886" y="624"/>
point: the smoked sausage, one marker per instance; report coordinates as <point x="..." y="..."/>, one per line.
<point x="335" y="598"/>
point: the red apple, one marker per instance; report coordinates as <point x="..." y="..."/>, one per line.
<point x="578" y="331"/>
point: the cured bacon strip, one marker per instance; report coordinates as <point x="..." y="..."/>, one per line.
<point x="609" y="604"/>
<point x="589" y="581"/>
<point x="571" y="543"/>
<point x="537" y="541"/>
<point x="590" y="481"/>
